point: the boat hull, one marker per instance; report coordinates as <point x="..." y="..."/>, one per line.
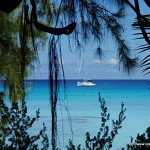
<point x="85" y="84"/>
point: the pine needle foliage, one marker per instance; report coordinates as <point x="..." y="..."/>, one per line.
<point x="96" y="21"/>
<point x="11" y="29"/>
<point x="93" y="22"/>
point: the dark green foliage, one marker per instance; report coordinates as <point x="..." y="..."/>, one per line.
<point x="15" y="134"/>
<point x="105" y="136"/>
<point x="11" y="39"/>
<point x="142" y="141"/>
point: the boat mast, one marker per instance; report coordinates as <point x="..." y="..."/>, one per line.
<point x="82" y="64"/>
<point x="79" y="68"/>
<point x="83" y="67"/>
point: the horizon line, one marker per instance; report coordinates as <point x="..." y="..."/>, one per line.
<point x="92" y="79"/>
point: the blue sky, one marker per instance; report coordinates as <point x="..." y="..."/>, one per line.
<point x="107" y="68"/>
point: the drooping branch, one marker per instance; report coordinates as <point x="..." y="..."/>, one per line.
<point x="56" y="31"/>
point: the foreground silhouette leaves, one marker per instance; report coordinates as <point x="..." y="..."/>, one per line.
<point x="142" y="141"/>
<point x="14" y="135"/>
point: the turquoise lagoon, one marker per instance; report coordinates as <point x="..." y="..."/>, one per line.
<point x="79" y="111"/>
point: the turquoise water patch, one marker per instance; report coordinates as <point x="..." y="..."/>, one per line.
<point x="79" y="111"/>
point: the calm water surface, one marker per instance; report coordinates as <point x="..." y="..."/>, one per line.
<point x="79" y="111"/>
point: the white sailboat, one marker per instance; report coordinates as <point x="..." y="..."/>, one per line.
<point x="84" y="82"/>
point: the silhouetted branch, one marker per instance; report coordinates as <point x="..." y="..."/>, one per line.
<point x="56" y="31"/>
<point x="147" y="2"/>
<point x="8" y="6"/>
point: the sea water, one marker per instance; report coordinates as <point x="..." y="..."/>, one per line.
<point x="78" y="109"/>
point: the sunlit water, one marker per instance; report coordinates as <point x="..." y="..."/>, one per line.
<point x="79" y="109"/>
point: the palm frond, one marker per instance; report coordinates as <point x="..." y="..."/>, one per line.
<point x="145" y="63"/>
<point x="143" y="49"/>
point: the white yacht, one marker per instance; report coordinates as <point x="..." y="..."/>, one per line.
<point x="86" y="83"/>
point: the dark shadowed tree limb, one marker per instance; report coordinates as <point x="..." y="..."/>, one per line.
<point x="56" y="31"/>
<point x="8" y="6"/>
<point x="147" y="2"/>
